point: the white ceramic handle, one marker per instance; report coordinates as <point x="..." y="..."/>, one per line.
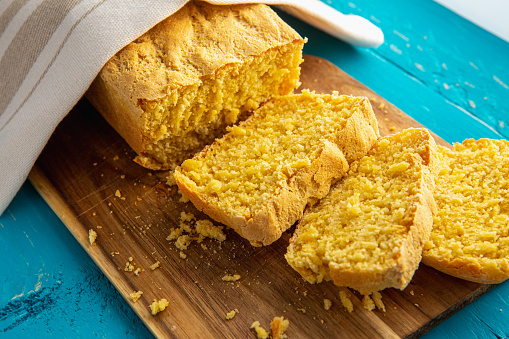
<point x="350" y="28"/>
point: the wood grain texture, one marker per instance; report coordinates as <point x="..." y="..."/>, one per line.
<point x="86" y="162"/>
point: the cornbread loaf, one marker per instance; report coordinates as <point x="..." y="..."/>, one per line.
<point x="259" y="177"/>
<point x="369" y="231"/>
<point x="470" y="237"/>
<point x="175" y="89"/>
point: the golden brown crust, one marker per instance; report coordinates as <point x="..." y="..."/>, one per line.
<point x="309" y="183"/>
<point x="192" y="44"/>
<point x="467" y="270"/>
<point x="356" y="139"/>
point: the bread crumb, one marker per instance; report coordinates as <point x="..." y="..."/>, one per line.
<point x="231" y="314"/>
<point x="137" y="271"/>
<point x="231" y="278"/>
<point x="92" y="235"/>
<point x="368" y="303"/>
<point x="122" y="176"/>
<point x="392" y="128"/>
<point x="170" y="180"/>
<point x="117" y="193"/>
<point x="158" y="306"/>
<point x="303" y="310"/>
<point x="182" y="255"/>
<point x="261" y="333"/>
<point x="128" y="267"/>
<point x="175" y="233"/>
<point x="183" y="242"/>
<point x="279" y="325"/>
<point x="412" y="292"/>
<point x="207" y="229"/>
<point x="135" y="296"/>
<point x="186" y="216"/>
<point x="345" y="301"/>
<point x="381" y="106"/>
<point x="154" y="266"/>
<point x="116" y="157"/>
<point x="327" y="304"/>
<point x="377" y="298"/>
<point x="183" y="197"/>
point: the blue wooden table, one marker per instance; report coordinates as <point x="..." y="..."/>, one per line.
<point x="442" y="70"/>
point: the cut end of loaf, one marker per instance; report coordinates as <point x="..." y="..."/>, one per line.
<point x="182" y="123"/>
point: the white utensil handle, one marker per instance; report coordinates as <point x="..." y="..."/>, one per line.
<point x="350" y="28"/>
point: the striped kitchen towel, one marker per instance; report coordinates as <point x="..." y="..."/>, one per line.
<point x="51" y="50"/>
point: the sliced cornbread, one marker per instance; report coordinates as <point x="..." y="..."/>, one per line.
<point x="470" y="237"/>
<point x="368" y="232"/>
<point x="259" y="177"/>
<point x="176" y="88"/>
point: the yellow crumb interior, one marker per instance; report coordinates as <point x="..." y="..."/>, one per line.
<point x="247" y="167"/>
<point x="472" y="196"/>
<point x="345" y="301"/>
<point x="362" y="223"/>
<point x="189" y="118"/>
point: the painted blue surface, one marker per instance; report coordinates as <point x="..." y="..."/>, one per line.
<point x="442" y="70"/>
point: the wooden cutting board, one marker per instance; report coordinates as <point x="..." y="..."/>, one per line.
<point x="86" y="162"/>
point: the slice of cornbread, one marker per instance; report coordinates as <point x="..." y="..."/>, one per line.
<point x="368" y="232"/>
<point x="175" y="89"/>
<point x="259" y="177"/>
<point x="470" y="237"/>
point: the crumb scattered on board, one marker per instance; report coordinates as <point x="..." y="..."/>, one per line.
<point x="190" y="230"/>
<point x="279" y="325"/>
<point x="368" y="303"/>
<point x="345" y="301"/>
<point x="170" y="180"/>
<point x="159" y="306"/>
<point x="155" y="265"/>
<point x="92" y="235"/>
<point x="231" y="314"/>
<point x="183" y="197"/>
<point x="327" y="304"/>
<point x="261" y="333"/>
<point x="231" y="278"/>
<point x="377" y="298"/>
<point x="129" y="265"/>
<point x="135" y="296"/>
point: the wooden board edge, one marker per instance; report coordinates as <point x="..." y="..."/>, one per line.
<point x="50" y="195"/>
<point x="484" y="288"/>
